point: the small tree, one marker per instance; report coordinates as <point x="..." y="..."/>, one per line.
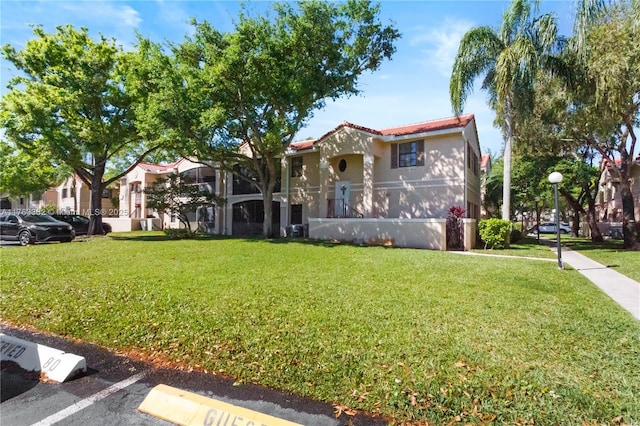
<point x="179" y="195"/>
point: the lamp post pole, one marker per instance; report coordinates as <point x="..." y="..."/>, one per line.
<point x="538" y="220"/>
<point x="555" y="178"/>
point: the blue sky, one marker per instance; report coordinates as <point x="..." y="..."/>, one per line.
<point x="412" y="87"/>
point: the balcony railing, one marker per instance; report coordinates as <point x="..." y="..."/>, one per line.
<point x="340" y="208"/>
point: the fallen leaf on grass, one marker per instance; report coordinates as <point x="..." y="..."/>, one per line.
<point x="339" y="409"/>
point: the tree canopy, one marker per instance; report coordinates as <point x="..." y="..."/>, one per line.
<point x="508" y="58"/>
<point x="71" y="102"/>
<point x="242" y="96"/>
<point x="22" y="173"/>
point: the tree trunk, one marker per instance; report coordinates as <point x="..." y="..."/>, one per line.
<point x="629" y="225"/>
<point x="508" y="141"/>
<point x="590" y="217"/>
<point x="575" y="226"/>
<point x="95" y="223"/>
<point x="267" y="226"/>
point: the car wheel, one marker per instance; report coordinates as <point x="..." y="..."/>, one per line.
<point x="24" y="238"/>
<point x="563" y="231"/>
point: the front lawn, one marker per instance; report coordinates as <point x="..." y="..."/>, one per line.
<point x="413" y="335"/>
<point x="609" y="253"/>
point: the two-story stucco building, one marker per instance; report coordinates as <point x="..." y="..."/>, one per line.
<point x="392" y="185"/>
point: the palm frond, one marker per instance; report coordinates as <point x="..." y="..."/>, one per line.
<point x="477" y="52"/>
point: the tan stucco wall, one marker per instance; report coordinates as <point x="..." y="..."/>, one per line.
<point x="410" y="233"/>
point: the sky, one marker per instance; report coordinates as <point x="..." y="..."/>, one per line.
<point x="411" y="88"/>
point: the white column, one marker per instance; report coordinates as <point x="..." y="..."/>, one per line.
<point x="367" y="187"/>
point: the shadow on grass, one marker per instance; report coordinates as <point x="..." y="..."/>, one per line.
<point x="585" y="244"/>
<point x="158" y="236"/>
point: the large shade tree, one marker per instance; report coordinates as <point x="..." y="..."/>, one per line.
<point x="607" y="94"/>
<point x="250" y="91"/>
<point x="70" y="102"/>
<point x="508" y="58"/>
<point x="22" y="174"/>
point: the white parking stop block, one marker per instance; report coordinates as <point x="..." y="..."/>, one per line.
<point x="56" y="365"/>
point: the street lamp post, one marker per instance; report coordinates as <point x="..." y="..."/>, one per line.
<point x="538" y="220"/>
<point x="555" y="178"/>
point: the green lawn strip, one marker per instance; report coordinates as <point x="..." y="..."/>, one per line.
<point x="609" y="253"/>
<point x="525" y="247"/>
<point x="412" y="334"/>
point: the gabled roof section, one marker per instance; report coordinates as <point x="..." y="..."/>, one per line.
<point x="158" y="168"/>
<point x="409" y="129"/>
<point x="429" y="126"/>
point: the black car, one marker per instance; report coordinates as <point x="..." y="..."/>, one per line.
<point x="80" y="223"/>
<point x="34" y="228"/>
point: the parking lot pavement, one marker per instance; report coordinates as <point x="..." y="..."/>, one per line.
<point x="115" y="386"/>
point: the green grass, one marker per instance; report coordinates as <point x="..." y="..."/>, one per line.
<point x="526" y="247"/>
<point x="414" y="335"/>
<point x="609" y="253"/>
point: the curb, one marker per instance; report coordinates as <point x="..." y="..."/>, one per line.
<point x="53" y="364"/>
<point x="186" y="408"/>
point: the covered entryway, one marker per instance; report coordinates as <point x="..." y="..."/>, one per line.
<point x="248" y="217"/>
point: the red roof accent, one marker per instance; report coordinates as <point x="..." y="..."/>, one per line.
<point x="158" y="167"/>
<point x="298" y="146"/>
<point x="409" y="129"/>
<point x="430" y="126"/>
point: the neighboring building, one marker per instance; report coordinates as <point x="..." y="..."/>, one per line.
<point x="391" y="185"/>
<point x="133" y="210"/>
<point x="609" y="200"/>
<point x="71" y="196"/>
<point x="30" y="202"/>
<point x="74" y="196"/>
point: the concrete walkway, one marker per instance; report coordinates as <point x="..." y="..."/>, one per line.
<point x="619" y="287"/>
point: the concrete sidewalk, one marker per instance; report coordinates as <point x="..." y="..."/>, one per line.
<point x="619" y="287"/>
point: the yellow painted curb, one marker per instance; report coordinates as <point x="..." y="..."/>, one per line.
<point x="187" y="408"/>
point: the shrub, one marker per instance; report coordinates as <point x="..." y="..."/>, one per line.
<point x="495" y="233"/>
<point x="48" y="209"/>
<point x="516" y="235"/>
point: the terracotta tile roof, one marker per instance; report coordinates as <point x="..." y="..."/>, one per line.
<point x="158" y="167"/>
<point x="429" y="126"/>
<point x="298" y="146"/>
<point x="409" y="129"/>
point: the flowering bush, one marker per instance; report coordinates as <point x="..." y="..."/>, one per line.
<point x="454" y="230"/>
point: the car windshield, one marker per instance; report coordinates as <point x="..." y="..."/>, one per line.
<point x="35" y="218"/>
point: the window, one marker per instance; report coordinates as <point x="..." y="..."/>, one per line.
<point x="408" y="154"/>
<point x="296" y="214"/>
<point x="243" y="186"/>
<point x="240" y="184"/>
<point x="296" y="167"/>
<point x="106" y="193"/>
<point x="64" y="192"/>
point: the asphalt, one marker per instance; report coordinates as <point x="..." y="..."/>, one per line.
<point x="27" y="401"/>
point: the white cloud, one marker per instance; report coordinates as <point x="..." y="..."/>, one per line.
<point x="439" y="45"/>
<point x="103" y="12"/>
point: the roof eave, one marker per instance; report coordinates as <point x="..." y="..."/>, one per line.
<point x="395" y="138"/>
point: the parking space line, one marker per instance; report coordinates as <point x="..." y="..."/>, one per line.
<point x="84" y="403"/>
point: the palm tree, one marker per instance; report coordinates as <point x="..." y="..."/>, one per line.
<point x="509" y="58"/>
